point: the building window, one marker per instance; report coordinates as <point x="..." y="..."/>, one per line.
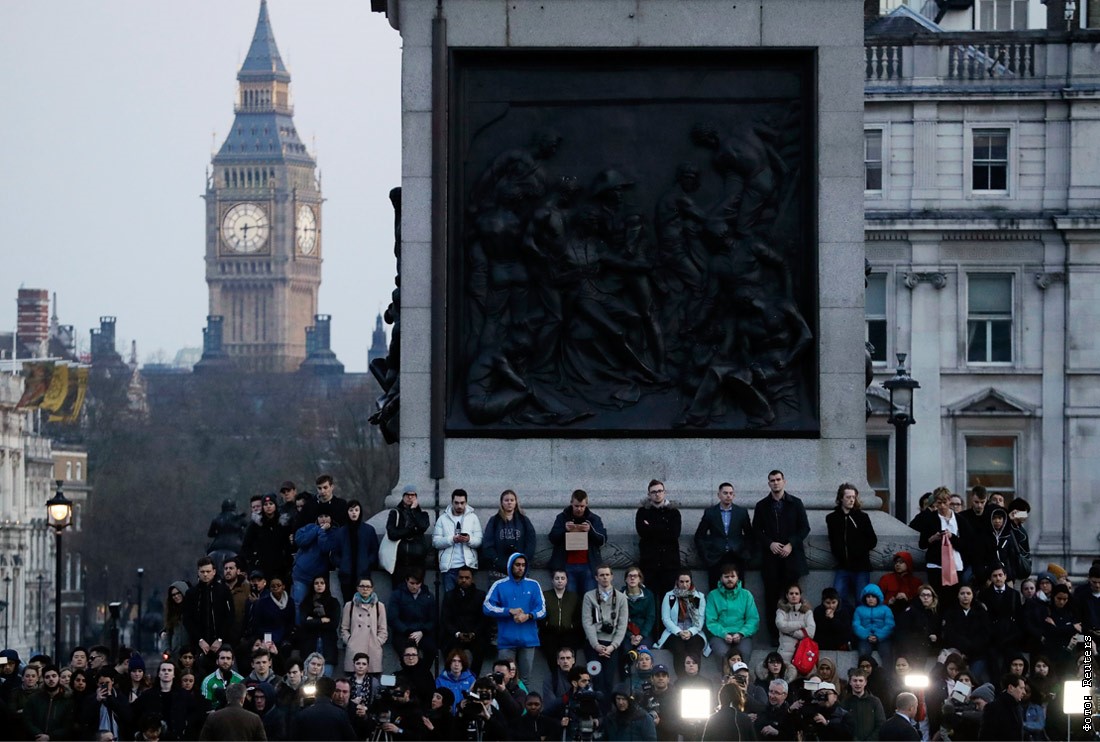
<point x="78" y="512"/>
<point x="872" y="159"/>
<point x="990" y="160"/>
<point x="878" y="466"/>
<point x="68" y="471"/>
<point x="1002" y="15"/>
<point x="875" y="316"/>
<point x="79" y="471"/>
<point x="989" y="318"/>
<point x="991" y="462"/>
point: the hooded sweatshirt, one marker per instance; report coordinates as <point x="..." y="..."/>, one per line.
<point x="892" y="583"/>
<point x="877" y="620"/>
<point x="508" y="593"/>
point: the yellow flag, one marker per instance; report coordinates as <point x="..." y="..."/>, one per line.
<point x="74" y="398"/>
<point x="59" y="388"/>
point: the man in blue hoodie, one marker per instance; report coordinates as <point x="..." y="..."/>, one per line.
<point x="516" y="603"/>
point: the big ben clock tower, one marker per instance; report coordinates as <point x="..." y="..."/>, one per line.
<point x="263" y="220"/>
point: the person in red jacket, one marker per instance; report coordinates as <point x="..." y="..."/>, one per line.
<point x="900" y="586"/>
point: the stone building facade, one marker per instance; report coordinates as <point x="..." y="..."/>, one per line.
<point x="982" y="207"/>
<point x="26" y="542"/>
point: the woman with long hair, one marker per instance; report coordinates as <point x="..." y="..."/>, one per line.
<point x="643" y="608"/>
<point x="794" y="617"/>
<point x="173" y="637"/>
<point x="508" y="532"/>
<point x="320" y="614"/>
<point x="683" y="611"/>
<point x="920" y="626"/>
<point x="363" y="626"/>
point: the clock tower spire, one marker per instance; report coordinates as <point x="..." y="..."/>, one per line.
<point x="263" y="219"/>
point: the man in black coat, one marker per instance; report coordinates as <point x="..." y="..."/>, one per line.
<point x="412" y="617"/>
<point x="658" y="525"/>
<point x="208" y="614"/>
<point x="1086" y="602"/>
<point x="1003" y="719"/>
<point x="724" y="536"/>
<point x="1005" y="620"/>
<point x="170" y="703"/>
<point x="903" y="724"/>
<point x="780" y="526"/>
<point x="462" y="623"/>
<point x="323" y="720"/>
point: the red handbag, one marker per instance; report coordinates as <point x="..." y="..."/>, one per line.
<point x="806" y="655"/>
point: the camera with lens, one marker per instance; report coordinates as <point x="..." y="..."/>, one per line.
<point x="607" y="628"/>
<point x="497" y="678"/>
<point x="583" y="712"/>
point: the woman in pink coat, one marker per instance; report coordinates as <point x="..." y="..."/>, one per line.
<point x="363" y="627"/>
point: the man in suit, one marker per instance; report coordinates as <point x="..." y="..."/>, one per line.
<point x="1003" y="719"/>
<point x="324" y="720"/>
<point x="724" y="536"/>
<point x="233" y="722"/>
<point x="902" y="725"/>
<point x="780" y="526"/>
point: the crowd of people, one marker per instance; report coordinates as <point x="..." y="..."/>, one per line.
<point x="261" y="647"/>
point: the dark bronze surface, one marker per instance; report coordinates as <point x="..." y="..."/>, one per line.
<point x="632" y="244"/>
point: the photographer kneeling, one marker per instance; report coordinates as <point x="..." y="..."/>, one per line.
<point x="477" y="718"/>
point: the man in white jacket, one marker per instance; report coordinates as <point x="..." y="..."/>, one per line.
<point x="457" y="536"/>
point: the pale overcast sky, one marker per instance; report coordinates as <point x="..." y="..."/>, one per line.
<point x="108" y="110"/>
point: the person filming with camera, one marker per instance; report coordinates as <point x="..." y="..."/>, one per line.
<point x="478" y="719"/>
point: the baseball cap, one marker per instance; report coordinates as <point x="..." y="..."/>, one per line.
<point x="287" y="485"/>
<point x="661" y="669"/>
<point x="739" y="666"/>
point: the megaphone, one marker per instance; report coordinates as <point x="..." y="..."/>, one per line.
<point x="594" y="668"/>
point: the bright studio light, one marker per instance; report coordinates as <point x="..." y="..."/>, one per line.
<point x="695" y="703"/>
<point x="1073" y="698"/>
<point x="916" y="681"/>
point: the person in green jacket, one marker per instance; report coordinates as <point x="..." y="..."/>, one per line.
<point x="731" y="618"/>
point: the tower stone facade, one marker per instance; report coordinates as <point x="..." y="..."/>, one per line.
<point x="263" y="220"/>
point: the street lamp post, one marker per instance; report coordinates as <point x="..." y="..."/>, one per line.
<point x="137" y="628"/>
<point x="901" y="388"/>
<point x="41" y="612"/>
<point x="7" y="612"/>
<point x="59" y="514"/>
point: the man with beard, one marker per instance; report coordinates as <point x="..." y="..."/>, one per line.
<point x="516" y="603"/>
<point x="49" y="712"/>
<point x="463" y="624"/>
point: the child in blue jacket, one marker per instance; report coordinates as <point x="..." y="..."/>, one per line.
<point x="873" y="625"/>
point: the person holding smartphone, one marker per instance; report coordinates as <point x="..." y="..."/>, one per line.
<point x="457" y="537"/>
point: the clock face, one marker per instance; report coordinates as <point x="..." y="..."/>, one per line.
<point x="305" y="229"/>
<point x="245" y="228"/>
